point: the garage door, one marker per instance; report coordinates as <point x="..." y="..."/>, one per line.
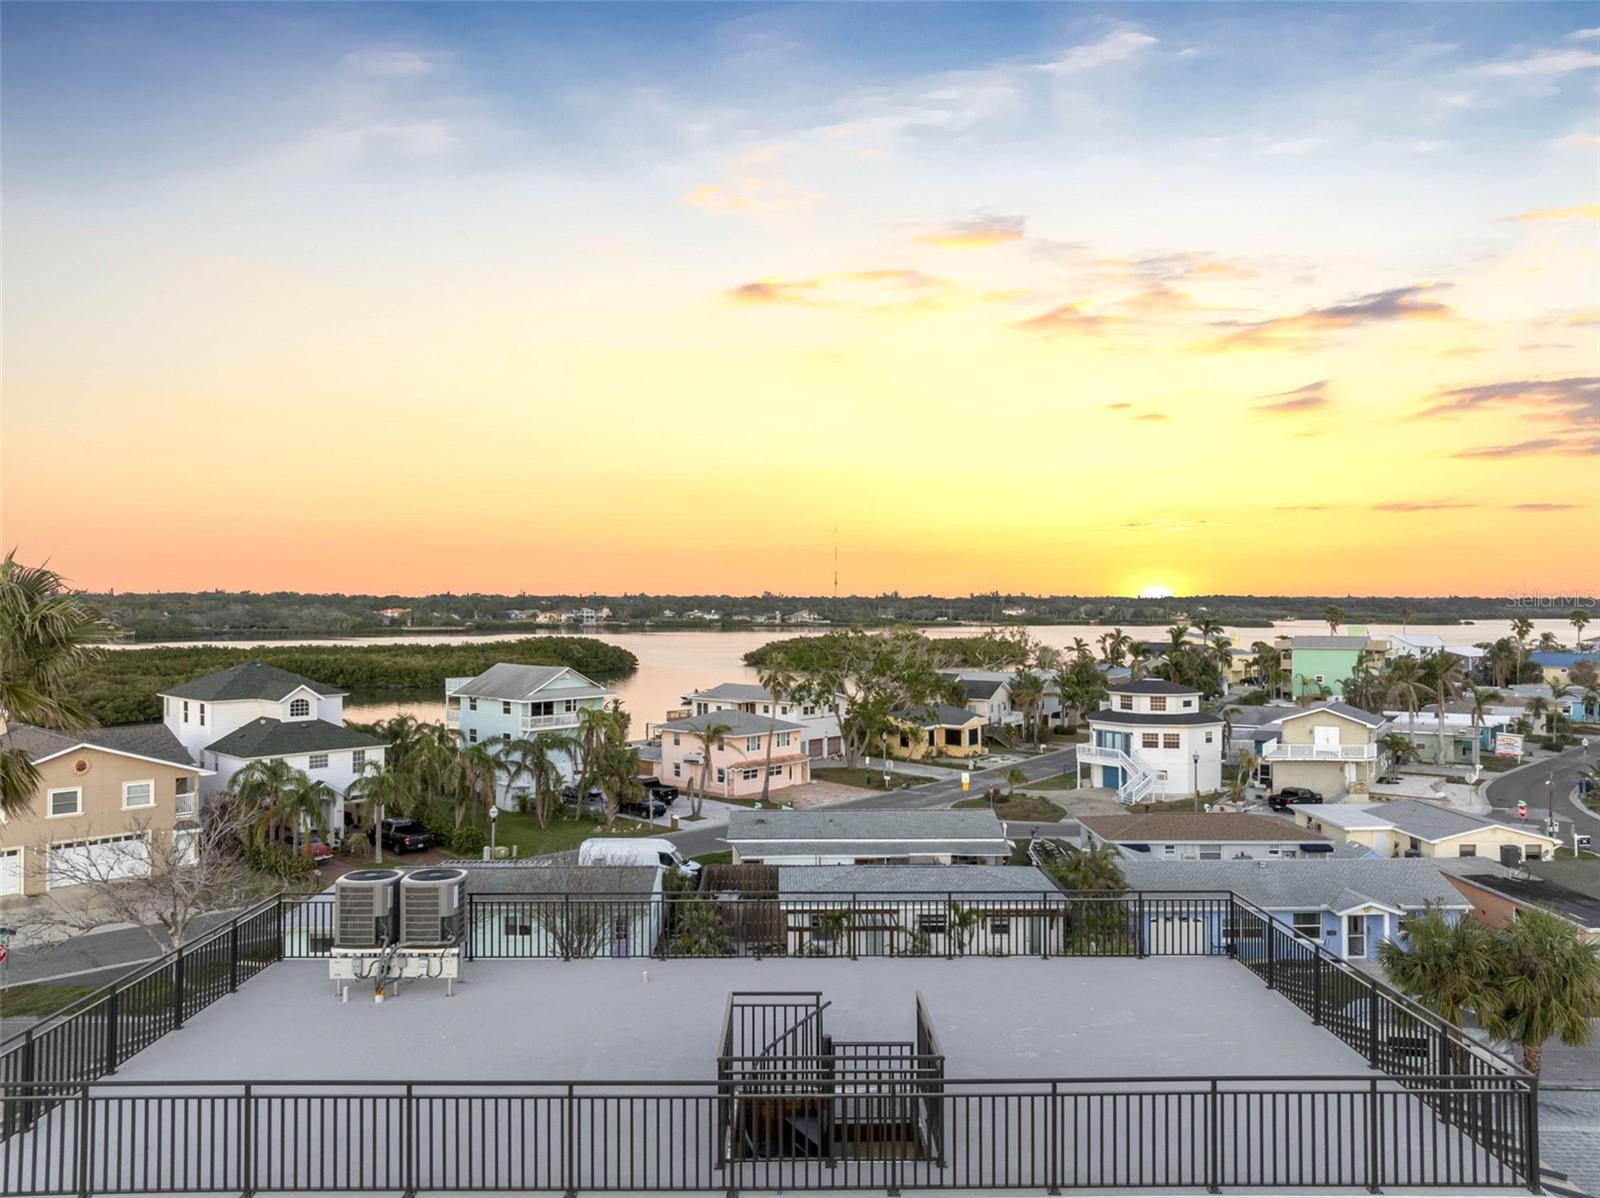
<point x="11" y="871"/>
<point x="107" y="859"/>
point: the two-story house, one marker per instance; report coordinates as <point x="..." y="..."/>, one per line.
<point x="821" y="736"/>
<point x="102" y="797"/>
<point x="257" y="712"/>
<point x="1331" y="748"/>
<point x="1315" y="662"/>
<point x="738" y="744"/>
<point x="1152" y="741"/>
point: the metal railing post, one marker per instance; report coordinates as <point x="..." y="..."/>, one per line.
<point x="177" y="991"/>
<point x="1530" y="1134"/>
<point x="850" y="930"/>
<point x="83" y="1170"/>
<point x="566" y="927"/>
<point x="247" y="1142"/>
<point x="1053" y="1160"/>
<point x="1231" y="931"/>
<point x="1372" y="1024"/>
<point x="1213" y="1140"/>
<point x="1269" y="929"/>
<point x="113" y="1016"/>
<point x="569" y="1169"/>
<point x="472" y="928"/>
<point x="233" y="956"/>
<point x="1316" y="988"/>
<point x="1141" y="928"/>
<point x="30" y="1086"/>
<point x="409" y="1142"/>
<point x="1372" y="1137"/>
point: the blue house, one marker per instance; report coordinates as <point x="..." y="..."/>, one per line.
<point x="1349" y="905"/>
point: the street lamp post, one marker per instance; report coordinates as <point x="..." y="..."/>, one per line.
<point x="494" y="822"/>
<point x="1196" y="775"/>
<point x="377" y="836"/>
<point x="887" y="768"/>
<point x="1550" y="803"/>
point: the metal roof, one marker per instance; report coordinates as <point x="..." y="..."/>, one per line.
<point x="1306" y="883"/>
<point x="997" y="847"/>
<point x="938" y="716"/>
<point x="839" y="825"/>
<point x="535" y="878"/>
<point x="1327" y="642"/>
<point x="739" y="692"/>
<point x="1172" y="827"/>
<point x="508" y="680"/>
<point x="1336" y="708"/>
<point x="1414" y="817"/>
<point x="962" y="880"/>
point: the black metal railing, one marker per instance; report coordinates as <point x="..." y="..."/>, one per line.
<point x="1034" y="1134"/>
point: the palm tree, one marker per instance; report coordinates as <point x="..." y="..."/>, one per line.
<point x="962" y="923"/>
<point x="472" y="782"/>
<point x="386" y="791"/>
<point x="1405" y="620"/>
<point x="1545" y="982"/>
<point x="1442" y="965"/>
<point x="1403" y="683"/>
<point x="1269" y="665"/>
<point x="594" y="727"/>
<point x="779" y="681"/>
<point x="1441" y="674"/>
<point x="1027" y="692"/>
<point x="1548" y="642"/>
<point x="533" y="759"/>
<point x="1334" y="617"/>
<point x="1480" y="697"/>
<point x="279" y="796"/>
<point x="710" y="734"/>
<point x="45" y="636"/>
<point x="430" y="763"/>
<point x="1521" y="629"/>
<point x="1579" y="620"/>
<point x="1538" y="708"/>
<point x="1502" y="660"/>
<point x="1239" y="784"/>
<point x="1397" y="748"/>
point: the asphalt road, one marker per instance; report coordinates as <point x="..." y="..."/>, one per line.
<point x="692" y="842"/>
<point x="1528" y="785"/>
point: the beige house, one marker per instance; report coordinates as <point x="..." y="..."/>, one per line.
<point x="102" y="796"/>
<point x="1413" y="828"/>
<point x="1332" y="748"/>
<point x="937" y="731"/>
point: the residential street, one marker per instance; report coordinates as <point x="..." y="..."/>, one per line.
<point x="1528" y="785"/>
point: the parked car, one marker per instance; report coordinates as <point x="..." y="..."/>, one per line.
<point x="1293" y="794"/>
<point x="316" y="848"/>
<point x="404" y="836"/>
<point x="657" y="789"/>
<point x="592" y="797"/>
<point x="645" y="850"/>
<point x="647" y="806"/>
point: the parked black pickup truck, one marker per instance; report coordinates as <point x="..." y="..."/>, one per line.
<point x="1292" y="794"/>
<point x="664" y="792"/>
<point x="404" y="836"/>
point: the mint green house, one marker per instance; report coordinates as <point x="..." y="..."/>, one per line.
<point x="1318" y="661"/>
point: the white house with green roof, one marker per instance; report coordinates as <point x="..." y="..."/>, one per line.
<point x="257" y="712"/>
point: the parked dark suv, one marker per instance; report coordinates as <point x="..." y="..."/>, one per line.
<point x="1293" y="794"/>
<point x="404" y="836"/>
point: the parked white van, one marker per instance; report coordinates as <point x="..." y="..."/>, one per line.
<point x="642" y="851"/>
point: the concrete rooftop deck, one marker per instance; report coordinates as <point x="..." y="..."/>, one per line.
<point x="601" y="1020"/>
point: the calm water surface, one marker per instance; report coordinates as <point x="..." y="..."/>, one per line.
<point x="672" y="663"/>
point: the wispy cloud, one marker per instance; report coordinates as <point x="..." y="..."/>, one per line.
<point x="384" y="62"/>
<point x="1542" y="507"/>
<point x="1569" y="447"/>
<point x="1119" y="45"/>
<point x="863" y="289"/>
<point x="1069" y="318"/>
<point x="1574" y="212"/>
<point x="1306" y="329"/>
<point x="978" y="233"/>
<point x="1435" y="506"/>
<point x="1309" y="398"/>
<point x="1574" y="401"/>
<point x="750" y="196"/>
<point x="1539" y="64"/>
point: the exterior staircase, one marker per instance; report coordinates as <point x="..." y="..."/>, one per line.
<point x="1138" y="779"/>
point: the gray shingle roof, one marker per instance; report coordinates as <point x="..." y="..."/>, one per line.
<point x="737" y="723"/>
<point x="1582" y="909"/>
<point x="1344" y="709"/>
<point x="764" y="849"/>
<point x="735" y="692"/>
<point x="920" y="879"/>
<point x="533" y="878"/>
<point x="1108" y="716"/>
<point x="247" y="680"/>
<point x="141" y="740"/>
<point x="1414" y="817"/>
<point x="1152" y="686"/>
<point x="508" y="680"/>
<point x="979" y="688"/>
<point x="1327" y="642"/>
<point x="851" y="825"/>
<point x="266" y="737"/>
<point x="1305" y="883"/>
<point x="936" y="716"/>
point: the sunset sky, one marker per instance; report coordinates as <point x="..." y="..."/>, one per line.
<point x="1273" y="299"/>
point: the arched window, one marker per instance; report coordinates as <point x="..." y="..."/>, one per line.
<point x="299" y="709"/>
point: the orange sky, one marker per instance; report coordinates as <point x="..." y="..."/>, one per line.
<point x="400" y="320"/>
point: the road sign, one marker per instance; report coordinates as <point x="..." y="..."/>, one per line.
<point x="1507" y="744"/>
<point x="1522" y="810"/>
<point x="3" y="951"/>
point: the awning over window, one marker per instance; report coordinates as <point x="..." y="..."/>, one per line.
<point x="1316" y="848"/>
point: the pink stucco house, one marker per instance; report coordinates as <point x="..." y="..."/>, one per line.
<point x="738" y="753"/>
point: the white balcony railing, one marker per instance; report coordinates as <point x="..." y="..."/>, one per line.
<point x="187" y="806"/>
<point x="1138" y="779"/>
<point x="452" y="717"/>
<point x="1277" y="751"/>
<point x="541" y="723"/>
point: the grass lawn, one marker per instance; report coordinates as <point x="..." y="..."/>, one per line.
<point x="859" y="776"/>
<point x="38" y="999"/>
<point x="1059" y="782"/>
<point x="1025" y="808"/>
<point x="566" y="833"/>
<point x="725" y="857"/>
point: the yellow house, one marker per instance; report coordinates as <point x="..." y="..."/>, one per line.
<point x="103" y="796"/>
<point x="939" y="731"/>
<point x="1413" y="828"/>
<point x="1331" y="748"/>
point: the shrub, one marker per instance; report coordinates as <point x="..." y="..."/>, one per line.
<point x="358" y="845"/>
<point x="466" y="841"/>
<point x="279" y="861"/>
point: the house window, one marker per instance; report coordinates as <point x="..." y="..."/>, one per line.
<point x="750" y="775"/>
<point x="1158" y="702"/>
<point x="1125" y="702"/>
<point x="138" y="794"/>
<point x="752" y="744"/>
<point x="1532" y="852"/>
<point x="317" y="761"/>
<point x="1208" y="737"/>
<point x="1211" y="852"/>
<point x="299" y="709"/>
<point x="202" y="715"/>
<point x="999" y="926"/>
<point x="1318" y="679"/>
<point x="472" y="704"/>
<point x="1169" y="850"/>
<point x="186" y="711"/>
<point x="1308" y="924"/>
<point x="505" y="707"/>
<point x="472" y="736"/>
<point x="676" y="740"/>
<point x="766" y="710"/>
<point x="931" y="925"/>
<point x="1469" y="850"/>
<point x="358" y="760"/>
<point x="517" y="925"/>
<point x="1149" y="740"/>
<point x="1169" y="740"/>
<point x="905" y="741"/>
<point x="183" y="786"/>
<point x="66" y="802"/>
<point x="783" y="739"/>
<point x="677" y="769"/>
<point x="775" y="771"/>
<point x="722" y="774"/>
<point x="505" y="737"/>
